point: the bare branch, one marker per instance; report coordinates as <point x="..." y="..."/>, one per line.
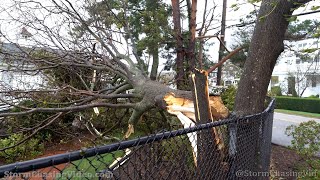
<point x="54" y="117"/>
<point x="67" y="109"/>
<point x="224" y="59"/>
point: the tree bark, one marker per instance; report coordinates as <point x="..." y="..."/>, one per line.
<point x="208" y="140"/>
<point x="155" y="64"/>
<point x="192" y="28"/>
<point x="179" y="44"/>
<point x="266" y="45"/>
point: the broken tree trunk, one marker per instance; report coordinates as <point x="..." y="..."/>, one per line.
<point x="181" y="104"/>
<point x="183" y="108"/>
<point x="209" y="142"/>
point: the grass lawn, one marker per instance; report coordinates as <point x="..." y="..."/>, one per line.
<point x="88" y="167"/>
<point x="300" y="113"/>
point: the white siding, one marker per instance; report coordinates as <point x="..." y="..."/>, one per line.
<point x="290" y="65"/>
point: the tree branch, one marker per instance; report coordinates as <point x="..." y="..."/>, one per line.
<point x="224" y="59"/>
<point x="67" y="109"/>
<point x="34" y="132"/>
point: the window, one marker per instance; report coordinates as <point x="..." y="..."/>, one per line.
<point x="292" y="85"/>
<point x="316" y="59"/>
<point x="313" y="80"/>
<point x="227" y="83"/>
<point x="289" y="62"/>
<point x="274" y="80"/>
<point x="167" y="68"/>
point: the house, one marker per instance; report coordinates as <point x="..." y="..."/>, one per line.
<point x="298" y="70"/>
<point x="230" y="75"/>
<point x="11" y="78"/>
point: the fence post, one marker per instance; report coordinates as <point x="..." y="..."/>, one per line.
<point x="253" y="144"/>
<point x="266" y="137"/>
<point x="209" y="157"/>
<point x="232" y="147"/>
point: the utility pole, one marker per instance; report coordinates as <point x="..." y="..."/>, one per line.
<point x="222" y="34"/>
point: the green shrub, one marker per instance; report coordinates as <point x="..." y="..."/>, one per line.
<point x="314" y="96"/>
<point x="275" y="91"/>
<point x="306" y="141"/>
<point x="228" y="97"/>
<point x="306" y="138"/>
<point x="298" y="104"/>
<point x="27" y="150"/>
<point x="16" y="123"/>
<point x="28" y="120"/>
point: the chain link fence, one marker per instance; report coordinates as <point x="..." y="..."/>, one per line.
<point x="234" y="148"/>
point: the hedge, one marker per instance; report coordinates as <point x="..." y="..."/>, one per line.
<point x="298" y="104"/>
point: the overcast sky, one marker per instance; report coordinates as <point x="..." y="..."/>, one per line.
<point x="233" y="17"/>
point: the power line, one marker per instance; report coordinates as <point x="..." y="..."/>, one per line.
<point x="294" y="15"/>
<point x="306" y="13"/>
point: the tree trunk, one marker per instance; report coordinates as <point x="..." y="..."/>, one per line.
<point x="179" y="45"/>
<point x="208" y="140"/>
<point x="266" y="45"/>
<point x="155" y="64"/>
<point x="200" y="56"/>
<point x="192" y="38"/>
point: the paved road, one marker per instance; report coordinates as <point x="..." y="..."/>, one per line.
<point x="281" y="122"/>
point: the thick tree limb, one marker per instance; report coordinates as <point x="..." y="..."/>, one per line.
<point x="224" y="59"/>
<point x="67" y="109"/>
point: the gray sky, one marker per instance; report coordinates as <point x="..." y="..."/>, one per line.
<point x="233" y="17"/>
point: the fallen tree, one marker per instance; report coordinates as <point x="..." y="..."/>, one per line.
<point x="129" y="85"/>
<point x="92" y="73"/>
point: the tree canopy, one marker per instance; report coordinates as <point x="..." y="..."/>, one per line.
<point x="95" y="54"/>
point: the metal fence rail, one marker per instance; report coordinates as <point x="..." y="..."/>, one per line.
<point x="242" y="149"/>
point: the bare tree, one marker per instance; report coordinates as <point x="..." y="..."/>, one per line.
<point x="86" y="63"/>
<point x="112" y="74"/>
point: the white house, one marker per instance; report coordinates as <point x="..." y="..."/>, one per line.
<point x="230" y="75"/>
<point x="11" y="77"/>
<point x="299" y="72"/>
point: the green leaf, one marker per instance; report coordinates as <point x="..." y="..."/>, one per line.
<point x="314" y="8"/>
<point x="292" y="18"/>
<point x="254" y="1"/>
<point x="235" y="7"/>
<point x="310" y="50"/>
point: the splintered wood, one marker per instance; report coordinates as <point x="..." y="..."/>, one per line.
<point x="186" y="107"/>
<point x="199" y="110"/>
<point x="177" y="105"/>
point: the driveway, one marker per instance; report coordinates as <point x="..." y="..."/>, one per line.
<point x="281" y="122"/>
